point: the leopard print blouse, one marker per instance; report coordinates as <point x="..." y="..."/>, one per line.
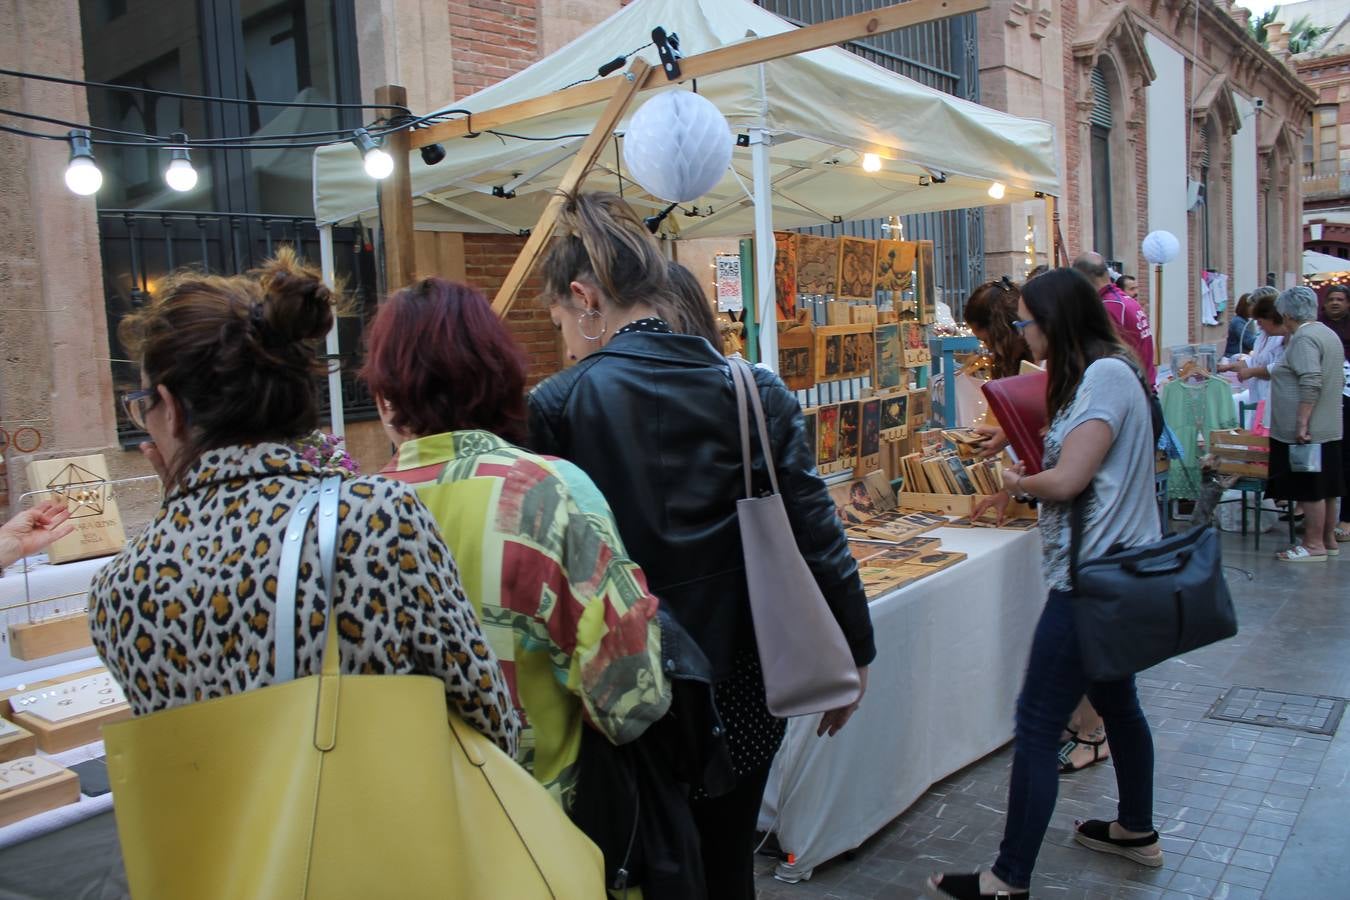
<point x="184" y="613"/>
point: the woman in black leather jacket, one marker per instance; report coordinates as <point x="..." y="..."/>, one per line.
<point x="650" y="415"/>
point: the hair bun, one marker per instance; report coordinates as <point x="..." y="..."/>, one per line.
<point x="297" y="305"/>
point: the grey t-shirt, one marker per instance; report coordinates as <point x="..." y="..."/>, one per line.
<point x="1121" y="505"/>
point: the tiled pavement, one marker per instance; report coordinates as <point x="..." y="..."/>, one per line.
<point x="1245" y="811"/>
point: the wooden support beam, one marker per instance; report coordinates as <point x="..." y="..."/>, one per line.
<point x="702" y="65"/>
<point x="624" y="89"/>
<point x="396" y="212"/>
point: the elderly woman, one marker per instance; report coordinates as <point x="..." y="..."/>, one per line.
<point x="1305" y="401"/>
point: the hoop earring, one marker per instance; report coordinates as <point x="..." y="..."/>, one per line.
<point x="594" y="315"/>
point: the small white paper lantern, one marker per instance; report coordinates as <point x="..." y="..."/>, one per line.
<point x="1161" y="247"/>
<point x="678" y="146"/>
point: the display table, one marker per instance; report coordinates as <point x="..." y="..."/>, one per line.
<point x="951" y="652"/>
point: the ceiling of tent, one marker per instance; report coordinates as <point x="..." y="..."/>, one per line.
<point x="824" y="109"/>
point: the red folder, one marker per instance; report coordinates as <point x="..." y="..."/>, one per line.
<point x="1018" y="402"/>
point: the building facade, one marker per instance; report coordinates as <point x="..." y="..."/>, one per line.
<point x="1171" y="118"/>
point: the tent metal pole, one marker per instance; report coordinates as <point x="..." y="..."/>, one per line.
<point x="339" y="426"/>
<point x="766" y="312"/>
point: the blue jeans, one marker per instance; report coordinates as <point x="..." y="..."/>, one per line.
<point x="1054" y="684"/>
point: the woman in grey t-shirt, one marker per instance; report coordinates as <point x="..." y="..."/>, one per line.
<point x="1099" y="445"/>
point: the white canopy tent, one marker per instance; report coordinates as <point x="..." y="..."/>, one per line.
<point x="1315" y="263"/>
<point x="808" y="119"/>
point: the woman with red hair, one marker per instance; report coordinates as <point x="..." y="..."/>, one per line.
<point x="567" y="612"/>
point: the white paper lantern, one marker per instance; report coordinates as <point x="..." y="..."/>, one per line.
<point x="678" y="146"/>
<point x="1161" y="247"/>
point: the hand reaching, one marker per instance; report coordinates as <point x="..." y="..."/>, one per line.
<point x="998" y="502"/>
<point x="994" y="442"/>
<point x="33" y="530"/>
<point x="836" y="719"/>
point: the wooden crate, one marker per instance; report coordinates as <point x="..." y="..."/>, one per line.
<point x="959" y="505"/>
<point x="1240" y="452"/>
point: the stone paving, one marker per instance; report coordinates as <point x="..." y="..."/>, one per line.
<point x="1245" y="810"/>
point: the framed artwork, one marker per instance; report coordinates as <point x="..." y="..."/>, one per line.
<point x="857" y="268"/>
<point x="895" y="266"/>
<point x="809" y="428"/>
<point x="852" y="502"/>
<point x="894" y="416"/>
<point x="888" y="371"/>
<point x="843" y="351"/>
<point x="869" y="444"/>
<point x="785" y="274"/>
<point x="817" y="264"/>
<point x="926" y="291"/>
<point x="850" y="433"/>
<point x="796" y="364"/>
<point x="827" y="437"/>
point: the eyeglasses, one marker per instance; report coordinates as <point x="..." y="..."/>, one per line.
<point x="1021" y="325"/>
<point x="135" y="404"/>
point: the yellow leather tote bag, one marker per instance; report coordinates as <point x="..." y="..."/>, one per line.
<point x="334" y="787"/>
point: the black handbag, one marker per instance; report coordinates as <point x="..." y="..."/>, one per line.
<point x="1135" y="607"/>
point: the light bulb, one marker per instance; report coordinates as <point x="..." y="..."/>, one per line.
<point x="871" y="162"/>
<point x="997" y="189"/>
<point x="378" y="164"/>
<point x="180" y="175"/>
<point x="83" y="176"/>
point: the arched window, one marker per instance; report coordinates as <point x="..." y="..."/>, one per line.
<point x="1101" y="123"/>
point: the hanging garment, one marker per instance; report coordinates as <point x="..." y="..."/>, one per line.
<point x="1213" y="296"/>
<point x="1191" y="411"/>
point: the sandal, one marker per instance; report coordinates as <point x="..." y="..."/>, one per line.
<point x="1300" y="554"/>
<point x="1066" y="766"/>
<point x="1342" y="535"/>
<point x="1096" y="835"/>
<point x="966" y="887"/>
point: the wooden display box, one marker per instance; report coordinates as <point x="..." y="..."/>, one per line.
<point x="16" y="742"/>
<point x="959" y="505"/>
<point x="1240" y="452"/>
<point x="29" y="798"/>
<point x="8" y="712"/>
<point x="48" y="637"/>
<point x="54" y="737"/>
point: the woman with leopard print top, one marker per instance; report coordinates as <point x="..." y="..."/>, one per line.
<point x="185" y="612"/>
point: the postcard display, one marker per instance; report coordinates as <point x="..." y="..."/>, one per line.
<point x="852" y="308"/>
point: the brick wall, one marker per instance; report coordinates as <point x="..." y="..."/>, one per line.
<point x="491" y="40"/>
<point x="487" y="260"/>
<point x="1069" y="207"/>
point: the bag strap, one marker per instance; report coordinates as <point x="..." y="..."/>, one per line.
<point x="743" y="379"/>
<point x="1077" y="512"/>
<point x="324" y="494"/>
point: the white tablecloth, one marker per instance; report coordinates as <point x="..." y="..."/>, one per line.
<point x="951" y="652"/>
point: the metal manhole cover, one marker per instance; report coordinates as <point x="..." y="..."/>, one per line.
<point x="1277" y="709"/>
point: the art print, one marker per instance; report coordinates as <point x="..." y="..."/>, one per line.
<point x="887" y="371"/>
<point x="849" y="432"/>
<point x="926" y="298"/>
<point x="785" y="274"/>
<point x="895" y="266"/>
<point x="827" y="436"/>
<point x="894" y="416"/>
<point x="817" y="264"/>
<point x="857" y="268"/>
<point x="871" y="428"/>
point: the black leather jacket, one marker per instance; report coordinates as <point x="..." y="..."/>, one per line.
<point x="651" y="418"/>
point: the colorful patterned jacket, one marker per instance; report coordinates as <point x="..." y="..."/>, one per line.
<point x="566" y="611"/>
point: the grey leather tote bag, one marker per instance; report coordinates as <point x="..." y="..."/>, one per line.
<point x="808" y="667"/>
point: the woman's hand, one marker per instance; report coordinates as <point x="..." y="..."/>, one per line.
<point x="997" y="502"/>
<point x="33" y="530"/>
<point x="836" y="719"/>
<point x="994" y="442"/>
